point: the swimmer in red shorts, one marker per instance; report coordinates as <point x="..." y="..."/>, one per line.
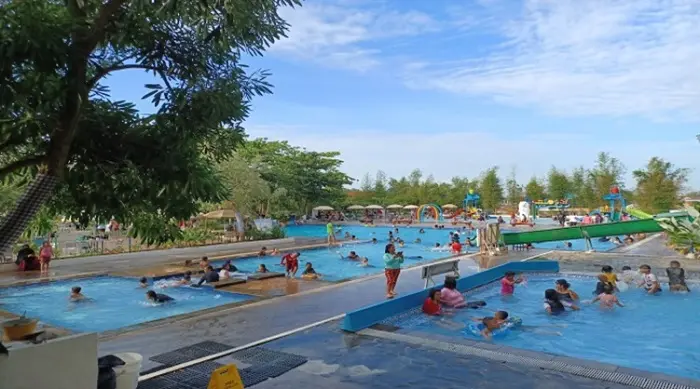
<point x="291" y="264"/>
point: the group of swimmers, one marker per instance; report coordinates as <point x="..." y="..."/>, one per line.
<point x="557" y="300"/>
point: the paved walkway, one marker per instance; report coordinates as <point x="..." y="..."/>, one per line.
<point x="245" y="324"/>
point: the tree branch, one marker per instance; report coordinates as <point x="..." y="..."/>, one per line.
<point x="20" y="164"/>
<point x="105" y="71"/>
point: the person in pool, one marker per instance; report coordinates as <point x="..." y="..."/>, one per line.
<point x="565" y="293"/>
<point x="143" y="282"/>
<point x="374" y="241"/>
<point x="607" y="271"/>
<point x="508" y="283"/>
<point x="351" y="256"/>
<point x="185" y="280"/>
<point x="76" y="294"/>
<point x="676" y="277"/>
<point x="553" y="305"/>
<point x="309" y="272"/>
<point x="262" y="269"/>
<point x="433" y="305"/>
<point x="158" y="298"/>
<point x="607" y="298"/>
<point x="602" y="284"/>
<point x="364" y="262"/>
<point x="489" y="324"/>
<point x="262" y="252"/>
<point x="209" y="276"/>
<point x="649" y="281"/>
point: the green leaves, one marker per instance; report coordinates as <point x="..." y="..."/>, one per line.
<point x="659" y="186"/>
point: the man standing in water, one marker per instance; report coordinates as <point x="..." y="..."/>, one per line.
<point x="331" y="233"/>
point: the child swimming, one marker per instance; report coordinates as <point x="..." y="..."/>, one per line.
<point x="601" y="285"/>
<point x="489" y="324"/>
<point x="309" y="272"/>
<point x="676" y="277"/>
<point x="649" y="281"/>
<point x="76" y="295"/>
<point x="607" y="298"/>
<point x="607" y="271"/>
<point x="143" y="282"/>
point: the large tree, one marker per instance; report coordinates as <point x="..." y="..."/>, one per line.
<point x="534" y="189"/>
<point x="659" y="186"/>
<point x="558" y="184"/>
<point x="58" y="118"/>
<point x="607" y="172"/>
<point x="490" y="190"/>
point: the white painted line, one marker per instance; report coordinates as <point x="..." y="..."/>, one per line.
<point x="537" y="256"/>
<point x="640" y="243"/>
<point x="212" y="357"/>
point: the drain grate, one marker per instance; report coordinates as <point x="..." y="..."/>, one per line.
<point x="206" y="368"/>
<point x="184" y="375"/>
<point x="158" y="383"/>
<point x="603" y="375"/>
<point x="262" y="356"/>
<point x="172" y="358"/>
<point x="212" y="347"/>
<point x="251" y="377"/>
<point x="291" y="361"/>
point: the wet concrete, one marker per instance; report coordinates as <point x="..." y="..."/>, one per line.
<point x="347" y="361"/>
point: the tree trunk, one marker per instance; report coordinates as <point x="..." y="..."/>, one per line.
<point x="14" y="224"/>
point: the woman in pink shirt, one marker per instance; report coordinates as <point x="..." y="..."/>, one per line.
<point x="450" y="296"/>
<point x="587" y="219"/>
<point x="45" y="255"/>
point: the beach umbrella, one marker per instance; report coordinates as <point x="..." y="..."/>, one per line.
<point x="355" y="207"/>
<point x="394" y="206"/>
<point x="323" y="208"/>
<point x="374" y="207"/>
<point x="450" y="206"/>
<point x="411" y="207"/>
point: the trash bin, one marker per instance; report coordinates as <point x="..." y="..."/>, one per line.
<point x="106" y="377"/>
<point x="128" y="373"/>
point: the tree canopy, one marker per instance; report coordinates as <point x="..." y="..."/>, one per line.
<point x="659" y="185"/>
<point x="58" y="117"/>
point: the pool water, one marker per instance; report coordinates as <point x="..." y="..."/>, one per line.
<point x="327" y="261"/>
<point x="654" y="333"/>
<point x="117" y="302"/>
<point x="429" y="238"/>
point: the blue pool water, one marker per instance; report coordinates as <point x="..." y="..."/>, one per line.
<point x="429" y="238"/>
<point x="327" y="262"/>
<point x="118" y="302"/>
<point x="654" y="333"/>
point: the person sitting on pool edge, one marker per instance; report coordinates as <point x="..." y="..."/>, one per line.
<point x="309" y="272"/>
<point x="143" y="282"/>
<point x="158" y="298"/>
<point x="262" y="252"/>
<point x="563" y="290"/>
<point x="203" y="263"/>
<point x="76" y="295"/>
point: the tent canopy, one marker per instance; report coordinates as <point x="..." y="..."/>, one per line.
<point x="323" y="208"/>
<point x="394" y="206"/>
<point x="374" y="207"/>
<point x="411" y="207"/>
<point x="355" y="207"/>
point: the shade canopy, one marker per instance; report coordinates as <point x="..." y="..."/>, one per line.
<point x="374" y="207"/>
<point x="394" y="206"/>
<point x="411" y="207"/>
<point x="450" y="206"/>
<point x="220" y="214"/>
<point x="323" y="208"/>
<point x="355" y="207"/>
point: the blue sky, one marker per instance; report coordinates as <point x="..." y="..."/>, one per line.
<point x="453" y="87"/>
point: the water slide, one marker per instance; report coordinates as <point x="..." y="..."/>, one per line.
<point x="591" y="231"/>
<point x="638" y="213"/>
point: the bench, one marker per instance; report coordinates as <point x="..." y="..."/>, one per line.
<point x="228" y="282"/>
<point x="427" y="272"/>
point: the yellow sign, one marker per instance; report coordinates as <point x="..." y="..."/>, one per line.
<point x="225" y="377"/>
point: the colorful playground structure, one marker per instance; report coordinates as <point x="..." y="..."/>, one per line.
<point x="615" y="197"/>
<point x="471" y="203"/>
<point x="431" y="208"/>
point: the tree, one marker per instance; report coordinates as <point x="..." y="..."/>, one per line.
<point x="558" y="184"/>
<point x="380" y="187"/>
<point x="58" y="118"/>
<point x="659" y="186"/>
<point x="248" y="192"/>
<point x="367" y="184"/>
<point x="514" y="192"/>
<point x="490" y="189"/>
<point x="608" y="171"/>
<point x="534" y="190"/>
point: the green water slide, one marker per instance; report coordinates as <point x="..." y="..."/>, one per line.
<point x="589" y="231"/>
<point x="639" y="214"/>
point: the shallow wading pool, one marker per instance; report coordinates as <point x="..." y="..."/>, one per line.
<point x="655" y="333"/>
<point x="116" y="302"/>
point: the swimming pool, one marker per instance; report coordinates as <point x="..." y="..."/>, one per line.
<point x="117" y="302"/>
<point x="428" y="238"/>
<point x="655" y="333"/>
<point x="327" y="262"/>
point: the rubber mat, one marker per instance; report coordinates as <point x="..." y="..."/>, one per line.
<point x="206" y="368"/>
<point x="186" y="354"/>
<point x="158" y="383"/>
<point x="251" y="377"/>
<point x="261" y="355"/>
<point x="212" y="347"/>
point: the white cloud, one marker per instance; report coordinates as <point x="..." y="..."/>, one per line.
<point x="592" y="57"/>
<point x="341" y="34"/>
<point x="448" y="154"/>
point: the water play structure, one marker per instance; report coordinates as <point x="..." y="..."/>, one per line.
<point x="524" y="209"/>
<point x="638" y="213"/>
<point x="550" y="204"/>
<point x="435" y="209"/>
<point x="615" y="197"/>
<point x="590" y="230"/>
<point x="471" y="203"/>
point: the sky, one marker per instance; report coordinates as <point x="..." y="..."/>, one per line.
<point x="453" y="87"/>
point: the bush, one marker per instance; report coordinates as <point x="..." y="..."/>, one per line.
<point x="275" y="232"/>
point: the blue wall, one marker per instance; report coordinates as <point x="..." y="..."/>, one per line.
<point x="370" y="315"/>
